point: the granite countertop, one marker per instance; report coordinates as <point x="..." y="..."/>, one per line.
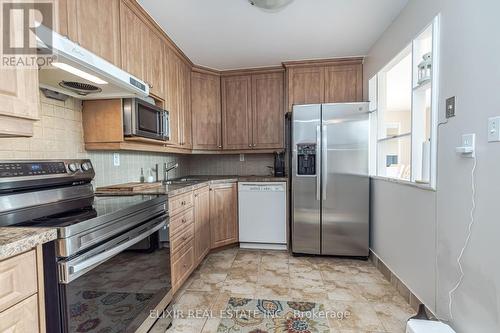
<point x="196" y="182"/>
<point x="14" y="240"/>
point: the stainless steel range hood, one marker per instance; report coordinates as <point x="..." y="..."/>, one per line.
<point x="79" y="73"/>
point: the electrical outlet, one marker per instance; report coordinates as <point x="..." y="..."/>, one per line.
<point x="468" y="148"/>
<point x="450" y="107"/>
<point x="242" y="157"/>
<point x="116" y="159"/>
<point x="494" y="129"/>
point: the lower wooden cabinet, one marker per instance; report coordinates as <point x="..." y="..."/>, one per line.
<point x="22" y="317"/>
<point x="201" y="223"/>
<point x="22" y="306"/>
<point x="183" y="266"/>
<point x="223" y="214"/>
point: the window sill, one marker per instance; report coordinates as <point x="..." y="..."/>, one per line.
<point x="427" y="187"/>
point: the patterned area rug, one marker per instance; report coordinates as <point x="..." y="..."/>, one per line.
<point x="95" y="311"/>
<point x="244" y="315"/>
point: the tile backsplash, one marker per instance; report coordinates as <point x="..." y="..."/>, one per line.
<point x="130" y="166"/>
<point x="59" y="135"/>
<point x="253" y="164"/>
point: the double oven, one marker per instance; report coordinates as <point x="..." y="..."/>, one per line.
<point x="107" y="271"/>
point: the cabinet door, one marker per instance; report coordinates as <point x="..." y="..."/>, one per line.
<point x="184" y="102"/>
<point x="343" y="83"/>
<point x="201" y="224"/>
<point x="206" y="111"/>
<point x="133" y="34"/>
<point x="223" y="214"/>
<point x="236" y="112"/>
<point x="95" y="25"/>
<point x="153" y="64"/>
<point x="306" y="85"/>
<point x="268" y="111"/>
<point x="172" y="64"/>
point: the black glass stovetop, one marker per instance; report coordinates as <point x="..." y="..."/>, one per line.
<point x="101" y="206"/>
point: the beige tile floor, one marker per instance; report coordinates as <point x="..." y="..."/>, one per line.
<point x="340" y="284"/>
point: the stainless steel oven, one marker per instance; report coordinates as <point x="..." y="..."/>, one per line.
<point x="143" y="119"/>
<point x="107" y="271"/>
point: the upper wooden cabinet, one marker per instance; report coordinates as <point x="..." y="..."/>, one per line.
<point x="95" y="25"/>
<point x="253" y="111"/>
<point x="223" y="214"/>
<point x="206" y="111"/>
<point x="154" y="61"/>
<point x="184" y="101"/>
<point x="333" y="81"/>
<point x="306" y="85"/>
<point x="344" y="83"/>
<point x="237" y="112"/>
<point x="171" y="77"/>
<point x="133" y="40"/>
<point x="267" y="111"/>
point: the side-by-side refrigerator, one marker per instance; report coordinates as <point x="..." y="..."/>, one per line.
<point x="330" y="185"/>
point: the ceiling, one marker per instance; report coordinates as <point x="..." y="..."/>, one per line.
<point x="232" y="34"/>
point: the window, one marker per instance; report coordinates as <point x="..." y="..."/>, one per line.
<point x="402" y="97"/>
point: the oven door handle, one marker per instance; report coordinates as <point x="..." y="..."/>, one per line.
<point x="69" y="271"/>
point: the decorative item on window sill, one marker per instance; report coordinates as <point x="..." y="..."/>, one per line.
<point x="425" y="69"/>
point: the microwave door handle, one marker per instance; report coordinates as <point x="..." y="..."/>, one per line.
<point x="165" y="130"/>
<point x="69" y="272"/>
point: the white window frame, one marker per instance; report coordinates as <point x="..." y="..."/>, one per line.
<point x="374" y="97"/>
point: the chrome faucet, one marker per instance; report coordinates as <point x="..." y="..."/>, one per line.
<point x="169" y="167"/>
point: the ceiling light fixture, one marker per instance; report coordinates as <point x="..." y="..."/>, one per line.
<point x="270" y="4"/>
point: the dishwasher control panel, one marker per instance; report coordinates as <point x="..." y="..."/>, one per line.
<point x="306" y="159"/>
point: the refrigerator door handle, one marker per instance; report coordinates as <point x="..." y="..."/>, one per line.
<point x="324" y="160"/>
<point x="318" y="163"/>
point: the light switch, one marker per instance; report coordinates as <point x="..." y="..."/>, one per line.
<point x="116" y="159"/>
<point x="242" y="157"/>
<point x="494" y="129"/>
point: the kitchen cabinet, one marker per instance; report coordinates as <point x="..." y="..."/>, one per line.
<point x="95" y="25"/>
<point x="133" y="39"/>
<point x="267" y="111"/>
<point x="172" y="63"/>
<point x="184" y="96"/>
<point x="236" y="112"/>
<point x="306" y="86"/>
<point x="344" y="83"/>
<point x="201" y="224"/>
<point x="19" y="101"/>
<point x="333" y="81"/>
<point x="153" y="55"/>
<point x="253" y="111"/>
<point x="182" y="245"/>
<point x="223" y="214"/>
<point x="22" y="305"/>
<point x="206" y="111"/>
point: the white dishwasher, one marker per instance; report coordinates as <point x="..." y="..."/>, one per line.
<point x="262" y="215"/>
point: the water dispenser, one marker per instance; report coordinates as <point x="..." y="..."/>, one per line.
<point x="306" y="159"/>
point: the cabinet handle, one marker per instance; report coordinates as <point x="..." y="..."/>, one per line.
<point x="250" y="146"/>
<point x="220" y="147"/>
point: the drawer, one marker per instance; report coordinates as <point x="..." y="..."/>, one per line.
<point x="179" y="203"/>
<point x="182" y="238"/>
<point x="22" y="317"/>
<point x="18" y="279"/>
<point x="180" y="222"/>
<point x="182" y="267"/>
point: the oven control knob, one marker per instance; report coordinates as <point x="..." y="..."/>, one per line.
<point x="86" y="166"/>
<point x="73" y="167"/>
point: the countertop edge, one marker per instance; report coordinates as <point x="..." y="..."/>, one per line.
<point x="16" y="240"/>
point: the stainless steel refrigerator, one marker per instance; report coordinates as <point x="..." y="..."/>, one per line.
<point x="330" y="186"/>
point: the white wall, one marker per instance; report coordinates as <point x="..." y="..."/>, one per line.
<point x="470" y="70"/>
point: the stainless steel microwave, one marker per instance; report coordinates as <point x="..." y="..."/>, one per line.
<point x="143" y="119"/>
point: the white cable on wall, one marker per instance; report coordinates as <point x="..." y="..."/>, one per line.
<point x="467" y="240"/>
